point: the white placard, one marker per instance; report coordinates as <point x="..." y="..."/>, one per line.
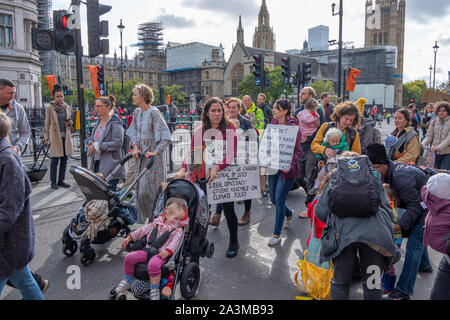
<point x="277" y="146"/>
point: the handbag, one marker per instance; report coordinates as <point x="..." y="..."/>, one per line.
<point x="315" y="278"/>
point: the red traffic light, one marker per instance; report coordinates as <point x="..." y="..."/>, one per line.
<point x="64" y="22"/>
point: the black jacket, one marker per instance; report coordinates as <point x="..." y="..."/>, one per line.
<point x="407" y="182"/>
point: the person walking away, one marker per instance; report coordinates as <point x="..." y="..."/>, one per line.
<point x="58" y="136"/>
<point x="406" y="181"/>
<point x="173" y="112"/>
<point x="439" y="136"/>
<point x="16" y="220"/>
<point x="280" y="183"/>
<point x="20" y="130"/>
<point x="436" y="195"/>
<point x="105" y="147"/>
<point x="150" y="135"/>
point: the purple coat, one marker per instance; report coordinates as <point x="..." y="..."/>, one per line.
<point x="437" y="222"/>
<point x="294" y="172"/>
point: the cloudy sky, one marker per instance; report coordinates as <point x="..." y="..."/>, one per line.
<point x="216" y="21"/>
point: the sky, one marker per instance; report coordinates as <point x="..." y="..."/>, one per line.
<point x="216" y="21"/>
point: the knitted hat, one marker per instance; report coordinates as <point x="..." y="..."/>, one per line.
<point x="360" y="105"/>
<point x="377" y="153"/>
<point x="390" y="141"/>
<point x="438" y="186"/>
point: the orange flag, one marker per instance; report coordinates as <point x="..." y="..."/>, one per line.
<point x="94" y="78"/>
<point x="51" y="82"/>
<point x="351" y="80"/>
<point x="169" y="97"/>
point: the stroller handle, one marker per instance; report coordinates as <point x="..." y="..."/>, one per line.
<point x="129" y="156"/>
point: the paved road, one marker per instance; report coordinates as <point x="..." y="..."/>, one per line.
<point x="259" y="272"/>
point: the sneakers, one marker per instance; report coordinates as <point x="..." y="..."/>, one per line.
<point x="154" y="294"/>
<point x="123" y="286"/>
<point x="245" y="219"/>
<point x="287" y="223"/>
<point x="303" y="215"/>
<point x="232" y="251"/>
<point x="274" y="240"/>
<point x="55" y="186"/>
<point x="397" y="295"/>
<point x="215" y="220"/>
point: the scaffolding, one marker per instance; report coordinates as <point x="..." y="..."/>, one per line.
<point x="150" y="38"/>
<point x="45" y="21"/>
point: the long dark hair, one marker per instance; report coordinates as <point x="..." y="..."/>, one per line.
<point x="285" y="105"/>
<point x="224" y="122"/>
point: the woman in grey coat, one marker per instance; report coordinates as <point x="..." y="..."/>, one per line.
<point x="16" y="221"/>
<point x="105" y="147"/>
<point x="372" y="237"/>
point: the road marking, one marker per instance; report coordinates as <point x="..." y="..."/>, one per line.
<point x="36" y="216"/>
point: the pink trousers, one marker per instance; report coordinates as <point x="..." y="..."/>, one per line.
<point x="154" y="265"/>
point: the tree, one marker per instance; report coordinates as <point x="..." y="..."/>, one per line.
<point x="46" y="94"/>
<point x="321" y="86"/>
<point x="413" y="91"/>
<point x="176" y="93"/>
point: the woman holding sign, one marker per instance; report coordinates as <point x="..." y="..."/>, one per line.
<point x="280" y="183"/>
<point x="215" y="126"/>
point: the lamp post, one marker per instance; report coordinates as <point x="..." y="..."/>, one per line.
<point x="111" y="74"/>
<point x="435" y="49"/>
<point x="121" y="27"/>
<point x="340" y="13"/>
<point x="431" y="71"/>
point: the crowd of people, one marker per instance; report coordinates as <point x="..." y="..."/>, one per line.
<point x="358" y="229"/>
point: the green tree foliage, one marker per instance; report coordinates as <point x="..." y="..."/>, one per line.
<point x="46" y="94"/>
<point x="413" y="90"/>
<point x="176" y="92"/>
<point x="321" y="86"/>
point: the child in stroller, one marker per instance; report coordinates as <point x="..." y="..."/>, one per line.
<point x="164" y="236"/>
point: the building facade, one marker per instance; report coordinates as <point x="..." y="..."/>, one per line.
<point x="19" y="62"/>
<point x="264" y="38"/>
<point x="318" y="38"/>
<point x="385" y="26"/>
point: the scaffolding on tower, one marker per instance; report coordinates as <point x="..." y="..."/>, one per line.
<point x="150" y="38"/>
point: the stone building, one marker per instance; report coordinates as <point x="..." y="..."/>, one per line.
<point x="264" y="38"/>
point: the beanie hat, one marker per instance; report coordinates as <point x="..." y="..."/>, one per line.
<point x="390" y="141"/>
<point x="360" y="105"/>
<point x="377" y="153"/>
<point x="438" y="184"/>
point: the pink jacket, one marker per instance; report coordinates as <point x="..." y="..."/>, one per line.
<point x="309" y="123"/>
<point x="175" y="237"/>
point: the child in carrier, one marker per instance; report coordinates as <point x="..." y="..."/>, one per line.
<point x="389" y="278"/>
<point x="334" y="139"/>
<point x="174" y="218"/>
<point x="308" y="119"/>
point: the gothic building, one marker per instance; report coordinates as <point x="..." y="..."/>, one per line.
<point x="385" y="26"/>
<point x="264" y="37"/>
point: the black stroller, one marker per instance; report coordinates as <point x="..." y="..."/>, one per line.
<point x="121" y="212"/>
<point x="183" y="266"/>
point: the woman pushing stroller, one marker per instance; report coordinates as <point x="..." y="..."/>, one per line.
<point x="171" y="222"/>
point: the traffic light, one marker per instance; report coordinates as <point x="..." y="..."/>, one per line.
<point x="286" y="65"/>
<point x="43" y="39"/>
<point x="66" y="90"/>
<point x="258" y="69"/>
<point x="101" y="80"/>
<point x="97" y="28"/>
<point x="64" y="38"/>
<point x="306" y="73"/>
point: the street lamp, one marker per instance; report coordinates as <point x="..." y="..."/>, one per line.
<point x="435" y="49"/>
<point x="121" y="27"/>
<point x="111" y="74"/>
<point x="340" y="13"/>
<point x="431" y="71"/>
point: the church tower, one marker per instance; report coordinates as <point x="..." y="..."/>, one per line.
<point x="240" y="32"/>
<point x="264" y="37"/>
<point x="385" y="26"/>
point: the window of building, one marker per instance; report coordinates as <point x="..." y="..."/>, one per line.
<point x="131" y="75"/>
<point x="237" y="75"/>
<point x="6" y="32"/>
<point x="374" y="39"/>
<point x="380" y="39"/>
<point x="207" y="75"/>
<point x="385" y="38"/>
<point x="141" y="75"/>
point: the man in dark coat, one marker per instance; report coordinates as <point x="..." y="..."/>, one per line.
<point x="407" y="182"/>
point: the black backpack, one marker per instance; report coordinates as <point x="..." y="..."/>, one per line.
<point x="352" y="190"/>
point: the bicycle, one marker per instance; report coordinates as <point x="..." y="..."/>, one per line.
<point x="37" y="138"/>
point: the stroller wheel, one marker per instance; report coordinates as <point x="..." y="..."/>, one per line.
<point x="122" y="297"/>
<point x="69" y="248"/>
<point x="210" y="250"/>
<point x="88" y="257"/>
<point x="112" y="294"/>
<point x="190" y="280"/>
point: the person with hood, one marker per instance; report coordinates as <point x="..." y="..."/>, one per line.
<point x="436" y="195"/>
<point x="406" y="181"/>
<point x="16" y="221"/>
<point x="58" y="135"/>
<point x="105" y="147"/>
<point x="344" y="237"/>
<point x="367" y="132"/>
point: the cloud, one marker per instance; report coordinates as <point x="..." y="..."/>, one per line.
<point x="249" y="8"/>
<point x="445" y="42"/>
<point x="423" y="11"/>
<point x="170" y="21"/>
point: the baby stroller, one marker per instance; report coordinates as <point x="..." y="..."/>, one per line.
<point x="183" y="265"/>
<point x="118" y="211"/>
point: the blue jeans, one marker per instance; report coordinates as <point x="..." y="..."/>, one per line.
<point x="24" y="281"/>
<point x="279" y="189"/>
<point x="442" y="161"/>
<point x="416" y="258"/>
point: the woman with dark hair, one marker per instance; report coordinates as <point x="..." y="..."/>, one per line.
<point x="280" y="183"/>
<point x="428" y="116"/>
<point x="58" y="136"/>
<point x="439" y="136"/>
<point x="407" y="148"/>
<point x="105" y="147"/>
<point x="215" y="126"/>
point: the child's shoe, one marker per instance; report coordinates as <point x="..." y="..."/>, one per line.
<point x="123" y="286"/>
<point x="154" y="294"/>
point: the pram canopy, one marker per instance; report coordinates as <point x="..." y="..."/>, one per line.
<point x="92" y="186"/>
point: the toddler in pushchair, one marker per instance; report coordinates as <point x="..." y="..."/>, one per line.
<point x="104" y="215"/>
<point x="167" y="251"/>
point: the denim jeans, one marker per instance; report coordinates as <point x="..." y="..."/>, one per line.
<point x="279" y="189"/>
<point x="343" y="270"/>
<point x="416" y="258"/>
<point x="441" y="283"/>
<point x="62" y="166"/>
<point x="24" y="281"/>
<point x="442" y="161"/>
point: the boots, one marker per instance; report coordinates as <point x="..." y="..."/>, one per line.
<point x="245" y="218"/>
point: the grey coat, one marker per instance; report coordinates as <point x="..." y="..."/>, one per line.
<point x="110" y="147"/>
<point x="377" y="231"/>
<point x="16" y="221"/>
<point x="20" y="131"/>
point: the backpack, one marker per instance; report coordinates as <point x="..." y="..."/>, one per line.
<point x="350" y="134"/>
<point x="352" y="188"/>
